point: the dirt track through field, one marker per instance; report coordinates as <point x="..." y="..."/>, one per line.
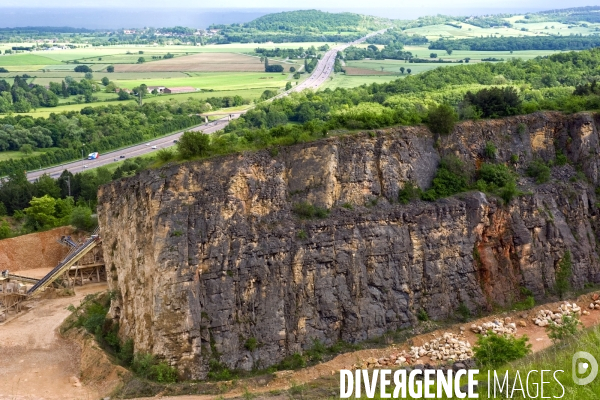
<point x="202" y="62"/>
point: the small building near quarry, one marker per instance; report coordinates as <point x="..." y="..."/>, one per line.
<point x="159" y="89"/>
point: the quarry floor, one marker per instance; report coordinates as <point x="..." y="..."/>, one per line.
<point x="36" y="363"/>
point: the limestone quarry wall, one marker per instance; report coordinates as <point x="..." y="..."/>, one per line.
<point x="206" y="255"/>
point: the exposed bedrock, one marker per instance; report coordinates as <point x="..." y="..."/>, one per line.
<point x="207" y="255"/>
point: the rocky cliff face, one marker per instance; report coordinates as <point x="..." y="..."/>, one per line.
<point x="208" y="255"/>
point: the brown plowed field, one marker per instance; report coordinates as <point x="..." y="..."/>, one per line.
<point x="202" y="62"/>
<point x="364" y="71"/>
<point x="33" y="251"/>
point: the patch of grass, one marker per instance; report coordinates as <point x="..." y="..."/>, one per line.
<point x="251" y="344"/>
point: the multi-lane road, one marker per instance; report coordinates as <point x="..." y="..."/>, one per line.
<point x="128" y="152"/>
<point x="319" y="75"/>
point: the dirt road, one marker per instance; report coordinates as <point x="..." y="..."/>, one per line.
<point x="35" y="362"/>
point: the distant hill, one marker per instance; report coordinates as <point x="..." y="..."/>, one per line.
<point x="310" y="21"/>
<point x="314" y="20"/>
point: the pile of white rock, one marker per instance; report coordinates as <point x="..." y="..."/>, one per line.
<point x="449" y="346"/>
<point x="545" y="317"/>
<point x="595" y="304"/>
<point x="497" y="326"/>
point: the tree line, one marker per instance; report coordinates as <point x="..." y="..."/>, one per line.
<point x="518" y="43"/>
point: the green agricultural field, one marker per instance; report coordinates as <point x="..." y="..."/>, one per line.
<point x="16" y="155"/>
<point x="346" y="82"/>
<point x="424" y="52"/>
<point x="433" y="32"/>
<point x="25" y="59"/>
<point x="394" y="66"/>
<point x="216" y="81"/>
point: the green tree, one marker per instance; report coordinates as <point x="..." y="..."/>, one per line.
<point x="408" y="71"/>
<point x="40" y="214"/>
<point x="26" y="149"/>
<point x="449" y="51"/>
<point x="81" y="218"/>
<point x="89" y="76"/>
<point x="193" y="144"/>
<point x="105" y="81"/>
<point x="288" y="86"/>
<point x="141" y="60"/>
<point x="123" y="95"/>
<point x="402" y="70"/>
<point x="5" y="231"/>
<point x="441" y="119"/>
<point x="110" y="68"/>
<point x="45" y="185"/>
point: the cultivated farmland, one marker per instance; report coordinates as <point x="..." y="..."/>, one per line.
<point x="203" y="62"/>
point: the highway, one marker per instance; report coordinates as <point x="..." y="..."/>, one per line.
<point x="128" y="152"/>
<point x="319" y="75"/>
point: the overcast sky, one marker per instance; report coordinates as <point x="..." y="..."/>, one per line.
<point x="430" y="5"/>
<point x="115" y="14"/>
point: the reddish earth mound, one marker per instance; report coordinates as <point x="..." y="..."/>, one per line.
<point x="33" y="251"/>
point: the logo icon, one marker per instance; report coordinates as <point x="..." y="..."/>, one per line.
<point x="580" y="367"/>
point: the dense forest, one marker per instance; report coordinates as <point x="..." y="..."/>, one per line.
<point x="573" y="42"/>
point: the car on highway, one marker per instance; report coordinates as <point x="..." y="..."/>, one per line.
<point x="121" y="156"/>
<point x="175" y="141"/>
<point x="154" y="147"/>
<point x="85" y="166"/>
<point x="115" y="159"/>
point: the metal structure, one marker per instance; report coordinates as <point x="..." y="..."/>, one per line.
<point x="65" y="265"/>
<point x="84" y="263"/>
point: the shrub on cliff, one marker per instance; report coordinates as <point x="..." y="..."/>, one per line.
<point x="451" y="177"/>
<point x="441" y="119"/>
<point x="539" y="170"/>
<point x="306" y="210"/>
<point x="409" y="192"/>
<point x="563" y="275"/>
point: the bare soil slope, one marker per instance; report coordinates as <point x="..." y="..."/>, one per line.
<point x="36" y="250"/>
